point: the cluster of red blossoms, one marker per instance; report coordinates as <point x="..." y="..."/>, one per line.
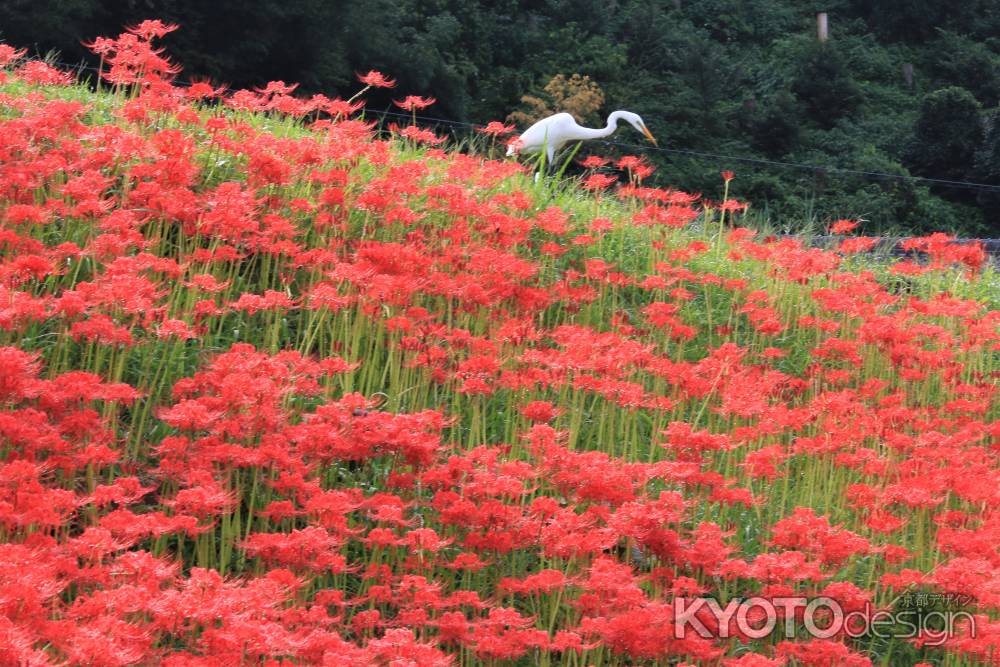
<point x="280" y="392"/>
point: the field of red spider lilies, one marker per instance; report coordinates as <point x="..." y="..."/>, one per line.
<point x="282" y="387"/>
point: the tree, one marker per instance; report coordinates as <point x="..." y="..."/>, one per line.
<point x="824" y="85"/>
<point x="987" y="168"/>
<point x="577" y="95"/>
<point x="774" y="125"/>
<point x="908" y="21"/>
<point x="946" y="135"/>
<point x="967" y="63"/>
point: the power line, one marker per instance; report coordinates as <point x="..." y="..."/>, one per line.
<point x="813" y="167"/>
<point x="991" y="246"/>
<point x="968" y="185"/>
<point x="736" y="158"/>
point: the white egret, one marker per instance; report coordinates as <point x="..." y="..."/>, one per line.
<point x="554" y="132"/>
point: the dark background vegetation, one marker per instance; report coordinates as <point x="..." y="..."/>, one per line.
<point x="735" y="77"/>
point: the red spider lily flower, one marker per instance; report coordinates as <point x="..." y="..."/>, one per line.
<point x="376" y="80"/>
<point x="496" y="128"/>
<point x="733" y="205"/>
<point x="822" y="652"/>
<point x="942" y="250"/>
<point x="540" y="411"/>
<point x="339" y="108"/>
<point x="895" y="554"/>
<point x="101" y="329"/>
<point x="629" y="162"/>
<point x="102" y="46"/>
<point x="174" y="327"/>
<point x="594" y="162"/>
<point x="124" y="491"/>
<point x="414" y="133"/>
<point x="685" y="441"/>
<point x="425" y="539"/>
<point x="884" y="522"/>
<point x="200" y="90"/>
<point x="307" y="549"/>
<point x="596" y="182"/>
<point x="467" y="561"/>
<point x="202" y="501"/>
<point x="544" y="582"/>
<point x="642" y="171"/>
<point x="754" y="660"/>
<point x="857" y="244"/>
<point x="804" y="531"/>
<point x="843" y="226"/>
<point x="274" y="88"/>
<point x="414" y="102"/>
<point x="9" y="54"/>
<point x="42" y="74"/>
<point x="151" y="29"/>
<point x="764" y="462"/>
<point x="727" y="176"/>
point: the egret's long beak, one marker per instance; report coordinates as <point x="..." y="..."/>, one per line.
<point x="649" y="135"/>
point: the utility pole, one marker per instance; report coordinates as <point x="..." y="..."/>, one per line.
<point x="822" y="27"/>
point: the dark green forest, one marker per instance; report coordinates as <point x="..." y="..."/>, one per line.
<point x="744" y="78"/>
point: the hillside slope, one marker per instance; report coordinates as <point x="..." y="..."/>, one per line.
<point x="277" y="390"/>
<point x="899" y="89"/>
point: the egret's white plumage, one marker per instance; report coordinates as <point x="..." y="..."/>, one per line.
<point x="554" y="132"/>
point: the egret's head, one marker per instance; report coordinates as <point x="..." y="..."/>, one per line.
<point x="635" y="120"/>
<point x="514" y="146"/>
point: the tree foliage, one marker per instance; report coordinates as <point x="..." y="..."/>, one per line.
<point x="578" y="95"/>
<point x="947" y="133"/>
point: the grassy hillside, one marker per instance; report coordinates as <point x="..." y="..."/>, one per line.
<point x="280" y="389"/>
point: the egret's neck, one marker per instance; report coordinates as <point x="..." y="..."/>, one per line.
<point x="599" y="133"/>
<point x="613" y="119"/>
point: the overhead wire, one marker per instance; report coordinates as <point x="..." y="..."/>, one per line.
<point x="992" y="246"/>
<point x="720" y="157"/>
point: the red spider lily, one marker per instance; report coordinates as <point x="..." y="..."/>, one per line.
<point x="594" y="162"/>
<point x="414" y="102"/>
<point x="843" y="226"/>
<point x="376" y="80"/>
<point x="857" y="244"/>
<point x="337" y="108"/>
<point x="309" y="549"/>
<point x="733" y="205"/>
<point x="822" y="652"/>
<point x="200" y="90"/>
<point x="629" y="162"/>
<point x="274" y="88"/>
<point x="9" y="54"/>
<point x="414" y="133"/>
<point x="131" y="57"/>
<point x="41" y="74"/>
<point x="540" y="411"/>
<point x="596" y="182"/>
<point x="496" y="129"/>
<point x="150" y="29"/>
